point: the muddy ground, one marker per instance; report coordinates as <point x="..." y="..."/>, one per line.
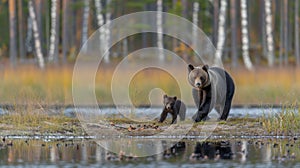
<point x="233" y="127"/>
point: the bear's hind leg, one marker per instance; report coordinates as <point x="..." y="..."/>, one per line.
<point x="182" y="116"/>
<point x="226" y="110"/>
<point x="174" y="119"/>
<point x="229" y="95"/>
<point x="182" y="112"/>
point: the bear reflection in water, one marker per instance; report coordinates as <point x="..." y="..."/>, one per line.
<point x="174" y="150"/>
<point x="211" y="150"/>
<point x="192" y="151"/>
<point x="203" y="150"/>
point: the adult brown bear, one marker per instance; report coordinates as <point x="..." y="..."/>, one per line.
<point x="212" y="88"/>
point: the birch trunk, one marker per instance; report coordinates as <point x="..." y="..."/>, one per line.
<point x="159" y="30"/>
<point x="297" y="54"/>
<point x="107" y="32"/>
<point x="12" y="32"/>
<point x="245" y="36"/>
<point x="38" y="8"/>
<point x="100" y="22"/>
<point x="269" y="31"/>
<point x="36" y="35"/>
<point x="85" y="22"/>
<point x="221" y="32"/>
<point x="54" y="33"/>
<point x="195" y="22"/>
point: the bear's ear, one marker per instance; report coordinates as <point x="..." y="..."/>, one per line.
<point x="190" y="67"/>
<point x="165" y="96"/>
<point x="175" y="98"/>
<point x="205" y="67"/>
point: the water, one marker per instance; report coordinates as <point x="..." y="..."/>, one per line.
<point x="155" y="112"/>
<point x="235" y="112"/>
<point x="187" y="153"/>
<point x="64" y="151"/>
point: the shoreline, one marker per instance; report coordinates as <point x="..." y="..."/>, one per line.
<point x="241" y="128"/>
<point x="63" y="106"/>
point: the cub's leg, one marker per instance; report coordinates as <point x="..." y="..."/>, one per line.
<point x="174" y="118"/>
<point x="163" y="116"/>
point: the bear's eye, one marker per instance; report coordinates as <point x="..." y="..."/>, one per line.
<point x="201" y="78"/>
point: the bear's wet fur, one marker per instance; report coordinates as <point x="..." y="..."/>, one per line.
<point x="213" y="87"/>
<point x="173" y="106"/>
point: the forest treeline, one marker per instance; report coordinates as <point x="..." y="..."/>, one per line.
<point x="248" y="33"/>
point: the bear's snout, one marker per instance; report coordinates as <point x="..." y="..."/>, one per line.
<point x="197" y="82"/>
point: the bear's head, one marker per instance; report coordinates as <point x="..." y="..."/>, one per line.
<point x="198" y="76"/>
<point x="169" y="102"/>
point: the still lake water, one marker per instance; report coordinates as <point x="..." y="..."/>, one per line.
<point x="156" y="111"/>
<point x="187" y="153"/>
<point x="79" y="152"/>
<point x="252" y="112"/>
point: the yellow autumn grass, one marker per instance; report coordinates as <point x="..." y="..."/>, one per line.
<point x="53" y="85"/>
<point x="267" y="86"/>
<point x="29" y="84"/>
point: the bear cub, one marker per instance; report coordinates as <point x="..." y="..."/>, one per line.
<point x="173" y="106"/>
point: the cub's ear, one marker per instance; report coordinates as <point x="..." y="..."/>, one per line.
<point x="175" y="98"/>
<point x="165" y="96"/>
<point x="205" y="67"/>
<point x="190" y="67"/>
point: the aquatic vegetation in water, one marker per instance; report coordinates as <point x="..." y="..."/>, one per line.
<point x="286" y="122"/>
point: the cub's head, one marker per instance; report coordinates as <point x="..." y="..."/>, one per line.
<point x="198" y="76"/>
<point x="169" y="102"/>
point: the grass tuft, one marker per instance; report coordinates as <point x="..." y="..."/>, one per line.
<point x="287" y="122"/>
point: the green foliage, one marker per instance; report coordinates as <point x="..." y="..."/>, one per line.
<point x="176" y="9"/>
<point x="138" y="4"/>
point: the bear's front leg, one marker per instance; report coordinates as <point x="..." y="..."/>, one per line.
<point x="199" y="116"/>
<point x="174" y="118"/>
<point x="163" y="116"/>
<point x="202" y="113"/>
